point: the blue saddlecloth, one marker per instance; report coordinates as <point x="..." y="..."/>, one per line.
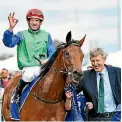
<point x="14" y="108"/>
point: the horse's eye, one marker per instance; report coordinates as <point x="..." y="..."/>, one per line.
<point x="67" y="53"/>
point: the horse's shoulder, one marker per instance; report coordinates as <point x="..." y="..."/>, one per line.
<point x="16" y="79"/>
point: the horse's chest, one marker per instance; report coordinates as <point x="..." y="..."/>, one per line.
<point x="50" y="108"/>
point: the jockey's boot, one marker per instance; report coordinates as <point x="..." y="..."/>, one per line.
<point x="18" y="91"/>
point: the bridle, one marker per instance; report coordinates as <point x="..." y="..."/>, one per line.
<point x="71" y="76"/>
<point x="71" y="79"/>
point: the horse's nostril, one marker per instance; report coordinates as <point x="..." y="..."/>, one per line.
<point x="75" y="72"/>
<point x="78" y="74"/>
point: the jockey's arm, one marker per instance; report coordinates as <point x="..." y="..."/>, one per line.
<point x="50" y="47"/>
<point x="10" y="40"/>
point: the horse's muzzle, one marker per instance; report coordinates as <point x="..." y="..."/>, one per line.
<point x="77" y="76"/>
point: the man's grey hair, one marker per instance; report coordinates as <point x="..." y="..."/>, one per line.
<point x="97" y="51"/>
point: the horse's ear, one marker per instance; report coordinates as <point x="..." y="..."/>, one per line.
<point x="82" y="40"/>
<point x="69" y="37"/>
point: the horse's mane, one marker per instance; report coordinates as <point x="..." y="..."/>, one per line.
<point x="45" y="68"/>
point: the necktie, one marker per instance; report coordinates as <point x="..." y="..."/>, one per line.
<point x="101" y="95"/>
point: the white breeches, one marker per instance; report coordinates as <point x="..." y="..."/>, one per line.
<point x="29" y="73"/>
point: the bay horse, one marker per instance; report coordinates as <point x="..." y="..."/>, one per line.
<point x="44" y="102"/>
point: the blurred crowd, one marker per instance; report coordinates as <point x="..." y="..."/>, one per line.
<point x="5" y="76"/>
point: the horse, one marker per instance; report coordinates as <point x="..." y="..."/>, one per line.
<point x="45" y="101"/>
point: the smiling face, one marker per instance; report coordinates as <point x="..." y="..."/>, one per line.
<point x="34" y="23"/>
<point x="98" y="58"/>
<point x="98" y="62"/>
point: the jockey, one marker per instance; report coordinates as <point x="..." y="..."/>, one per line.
<point x="30" y="43"/>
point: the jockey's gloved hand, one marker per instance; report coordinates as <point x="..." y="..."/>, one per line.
<point x="43" y="61"/>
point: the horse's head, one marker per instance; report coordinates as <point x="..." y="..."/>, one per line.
<point x="72" y="59"/>
<point x="66" y="61"/>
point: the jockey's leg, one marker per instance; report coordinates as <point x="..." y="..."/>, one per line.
<point x="18" y="91"/>
<point x="28" y="74"/>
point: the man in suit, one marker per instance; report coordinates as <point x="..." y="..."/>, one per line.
<point x="101" y="101"/>
<point x="117" y="115"/>
<point x="101" y="86"/>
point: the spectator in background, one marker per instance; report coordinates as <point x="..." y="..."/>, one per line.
<point x="14" y="74"/>
<point x="4" y="78"/>
<point x="11" y="75"/>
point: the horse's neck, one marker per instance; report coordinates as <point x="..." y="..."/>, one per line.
<point x="52" y="84"/>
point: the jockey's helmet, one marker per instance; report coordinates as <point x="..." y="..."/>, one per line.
<point x="35" y="13"/>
